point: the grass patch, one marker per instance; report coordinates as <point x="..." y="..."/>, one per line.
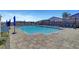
<point x="3" y="40"/>
<point x="2" y="46"/>
<point x="4" y="34"/>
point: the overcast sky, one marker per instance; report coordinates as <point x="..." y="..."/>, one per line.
<point x="33" y="15"/>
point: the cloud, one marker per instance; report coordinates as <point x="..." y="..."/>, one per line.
<point x="19" y="17"/>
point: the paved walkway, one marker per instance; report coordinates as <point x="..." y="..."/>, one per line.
<point x="68" y="38"/>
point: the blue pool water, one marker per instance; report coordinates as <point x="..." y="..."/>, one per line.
<point x="38" y="29"/>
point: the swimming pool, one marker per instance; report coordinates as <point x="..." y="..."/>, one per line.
<point x="38" y="29"/>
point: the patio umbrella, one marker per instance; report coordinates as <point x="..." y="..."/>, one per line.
<point x="14" y="23"/>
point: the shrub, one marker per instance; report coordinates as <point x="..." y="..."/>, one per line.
<point x="2" y="42"/>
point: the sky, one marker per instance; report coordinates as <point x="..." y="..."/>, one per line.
<point x="33" y="15"/>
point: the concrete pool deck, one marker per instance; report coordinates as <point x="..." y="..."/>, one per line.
<point x="64" y="39"/>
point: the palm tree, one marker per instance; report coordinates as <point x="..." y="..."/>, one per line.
<point x="65" y="16"/>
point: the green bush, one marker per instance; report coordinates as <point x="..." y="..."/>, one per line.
<point x="2" y="41"/>
<point x="4" y="34"/>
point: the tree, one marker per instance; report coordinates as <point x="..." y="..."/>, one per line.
<point x="66" y="14"/>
